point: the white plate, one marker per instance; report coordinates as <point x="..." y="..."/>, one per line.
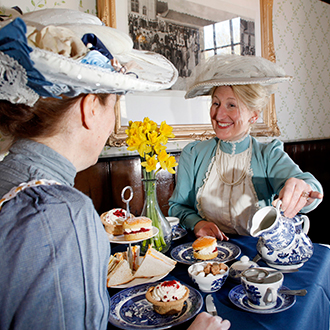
<point x="120" y="239"/>
<point x="238" y="297"/>
<point x="226" y="251"/>
<point x="130" y="310"/>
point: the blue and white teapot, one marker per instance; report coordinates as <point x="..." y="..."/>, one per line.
<point x="283" y="242"/>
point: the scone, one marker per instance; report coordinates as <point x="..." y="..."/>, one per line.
<point x="113" y="221"/>
<point x="137" y="228"/>
<point x="168" y="297"/>
<point x="205" y="248"/>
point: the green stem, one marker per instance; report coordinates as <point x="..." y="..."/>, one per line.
<point x="151" y="211"/>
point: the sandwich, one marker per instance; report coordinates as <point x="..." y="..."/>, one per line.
<point x="137" y="228"/>
<point x="119" y="271"/>
<point x="134" y="261"/>
<point x="205" y="248"/>
<point x="154" y="263"/>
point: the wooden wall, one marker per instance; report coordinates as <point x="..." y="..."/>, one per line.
<point x="104" y="181"/>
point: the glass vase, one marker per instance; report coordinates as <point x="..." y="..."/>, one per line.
<point x="162" y="241"/>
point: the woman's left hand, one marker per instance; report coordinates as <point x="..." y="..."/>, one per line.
<point x="295" y="195"/>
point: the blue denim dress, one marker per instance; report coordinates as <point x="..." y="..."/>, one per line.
<point x="53" y="248"/>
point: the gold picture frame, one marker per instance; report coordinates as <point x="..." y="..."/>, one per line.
<point x="268" y="126"/>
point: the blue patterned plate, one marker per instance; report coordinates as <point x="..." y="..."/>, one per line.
<point x="238" y="297"/>
<point x="129" y="309"/>
<point x="178" y="232"/>
<point x="226" y="251"/>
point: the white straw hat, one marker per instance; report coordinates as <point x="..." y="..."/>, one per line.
<point x="227" y="70"/>
<point x="60" y="73"/>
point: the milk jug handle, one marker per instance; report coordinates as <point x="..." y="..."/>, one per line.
<point x="306" y="224"/>
<point x="278" y="205"/>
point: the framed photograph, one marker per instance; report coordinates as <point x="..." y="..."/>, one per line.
<point x="185" y="32"/>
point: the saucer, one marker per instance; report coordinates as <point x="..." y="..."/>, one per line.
<point x="238" y="297"/>
<point x="184" y="253"/>
<point x="285" y="267"/>
<point x="178" y="232"/>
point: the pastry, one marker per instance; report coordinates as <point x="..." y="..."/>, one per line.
<point x="113" y="221"/>
<point x="205" y="248"/>
<point x="137" y="228"/>
<point x="168" y="297"/>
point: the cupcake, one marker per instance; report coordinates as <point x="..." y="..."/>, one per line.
<point x="113" y="221"/>
<point x="168" y="297"/>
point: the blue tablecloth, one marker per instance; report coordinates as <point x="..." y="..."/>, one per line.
<point x="311" y="312"/>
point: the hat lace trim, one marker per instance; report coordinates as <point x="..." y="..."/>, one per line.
<point x="13" y="82"/>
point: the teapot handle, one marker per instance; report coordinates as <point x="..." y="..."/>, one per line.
<point x="306" y="224"/>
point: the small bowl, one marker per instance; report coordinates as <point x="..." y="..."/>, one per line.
<point x="238" y="267"/>
<point x="209" y="283"/>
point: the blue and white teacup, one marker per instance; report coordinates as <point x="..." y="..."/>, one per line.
<point x="261" y="292"/>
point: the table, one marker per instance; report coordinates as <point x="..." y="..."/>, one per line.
<point x="308" y="313"/>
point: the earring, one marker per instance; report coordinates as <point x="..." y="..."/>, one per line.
<point x="251" y="121"/>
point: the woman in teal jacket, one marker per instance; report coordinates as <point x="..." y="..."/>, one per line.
<point x="222" y="182"/>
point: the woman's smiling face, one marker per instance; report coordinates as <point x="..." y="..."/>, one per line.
<point x="230" y="118"/>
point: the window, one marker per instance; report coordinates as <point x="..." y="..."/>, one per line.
<point x="144" y="10"/>
<point x="234" y="36"/>
<point x="135" y="6"/>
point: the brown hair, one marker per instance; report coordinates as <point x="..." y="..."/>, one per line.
<point x="41" y="120"/>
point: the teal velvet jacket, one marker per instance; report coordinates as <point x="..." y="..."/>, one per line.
<point x="270" y="164"/>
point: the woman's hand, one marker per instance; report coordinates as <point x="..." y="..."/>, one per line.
<point x="208" y="228"/>
<point x="295" y="195"/>
<point x="206" y="321"/>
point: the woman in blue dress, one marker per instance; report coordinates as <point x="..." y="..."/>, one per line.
<point x="223" y="181"/>
<point x="59" y="81"/>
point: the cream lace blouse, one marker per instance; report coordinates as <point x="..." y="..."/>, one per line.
<point x="227" y="196"/>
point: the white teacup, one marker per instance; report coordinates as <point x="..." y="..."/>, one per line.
<point x="261" y="292"/>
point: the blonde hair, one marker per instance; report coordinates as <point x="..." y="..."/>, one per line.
<point x="254" y="96"/>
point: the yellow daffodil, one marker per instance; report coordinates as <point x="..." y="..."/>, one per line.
<point x="166" y="130"/>
<point x="163" y="156"/>
<point x="170" y="163"/>
<point x="158" y="147"/>
<point x="153" y="138"/>
<point x="150" y="141"/>
<point x="150" y="164"/>
<point x="144" y="149"/>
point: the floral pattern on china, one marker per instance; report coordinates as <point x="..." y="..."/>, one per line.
<point x="283" y="242"/>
